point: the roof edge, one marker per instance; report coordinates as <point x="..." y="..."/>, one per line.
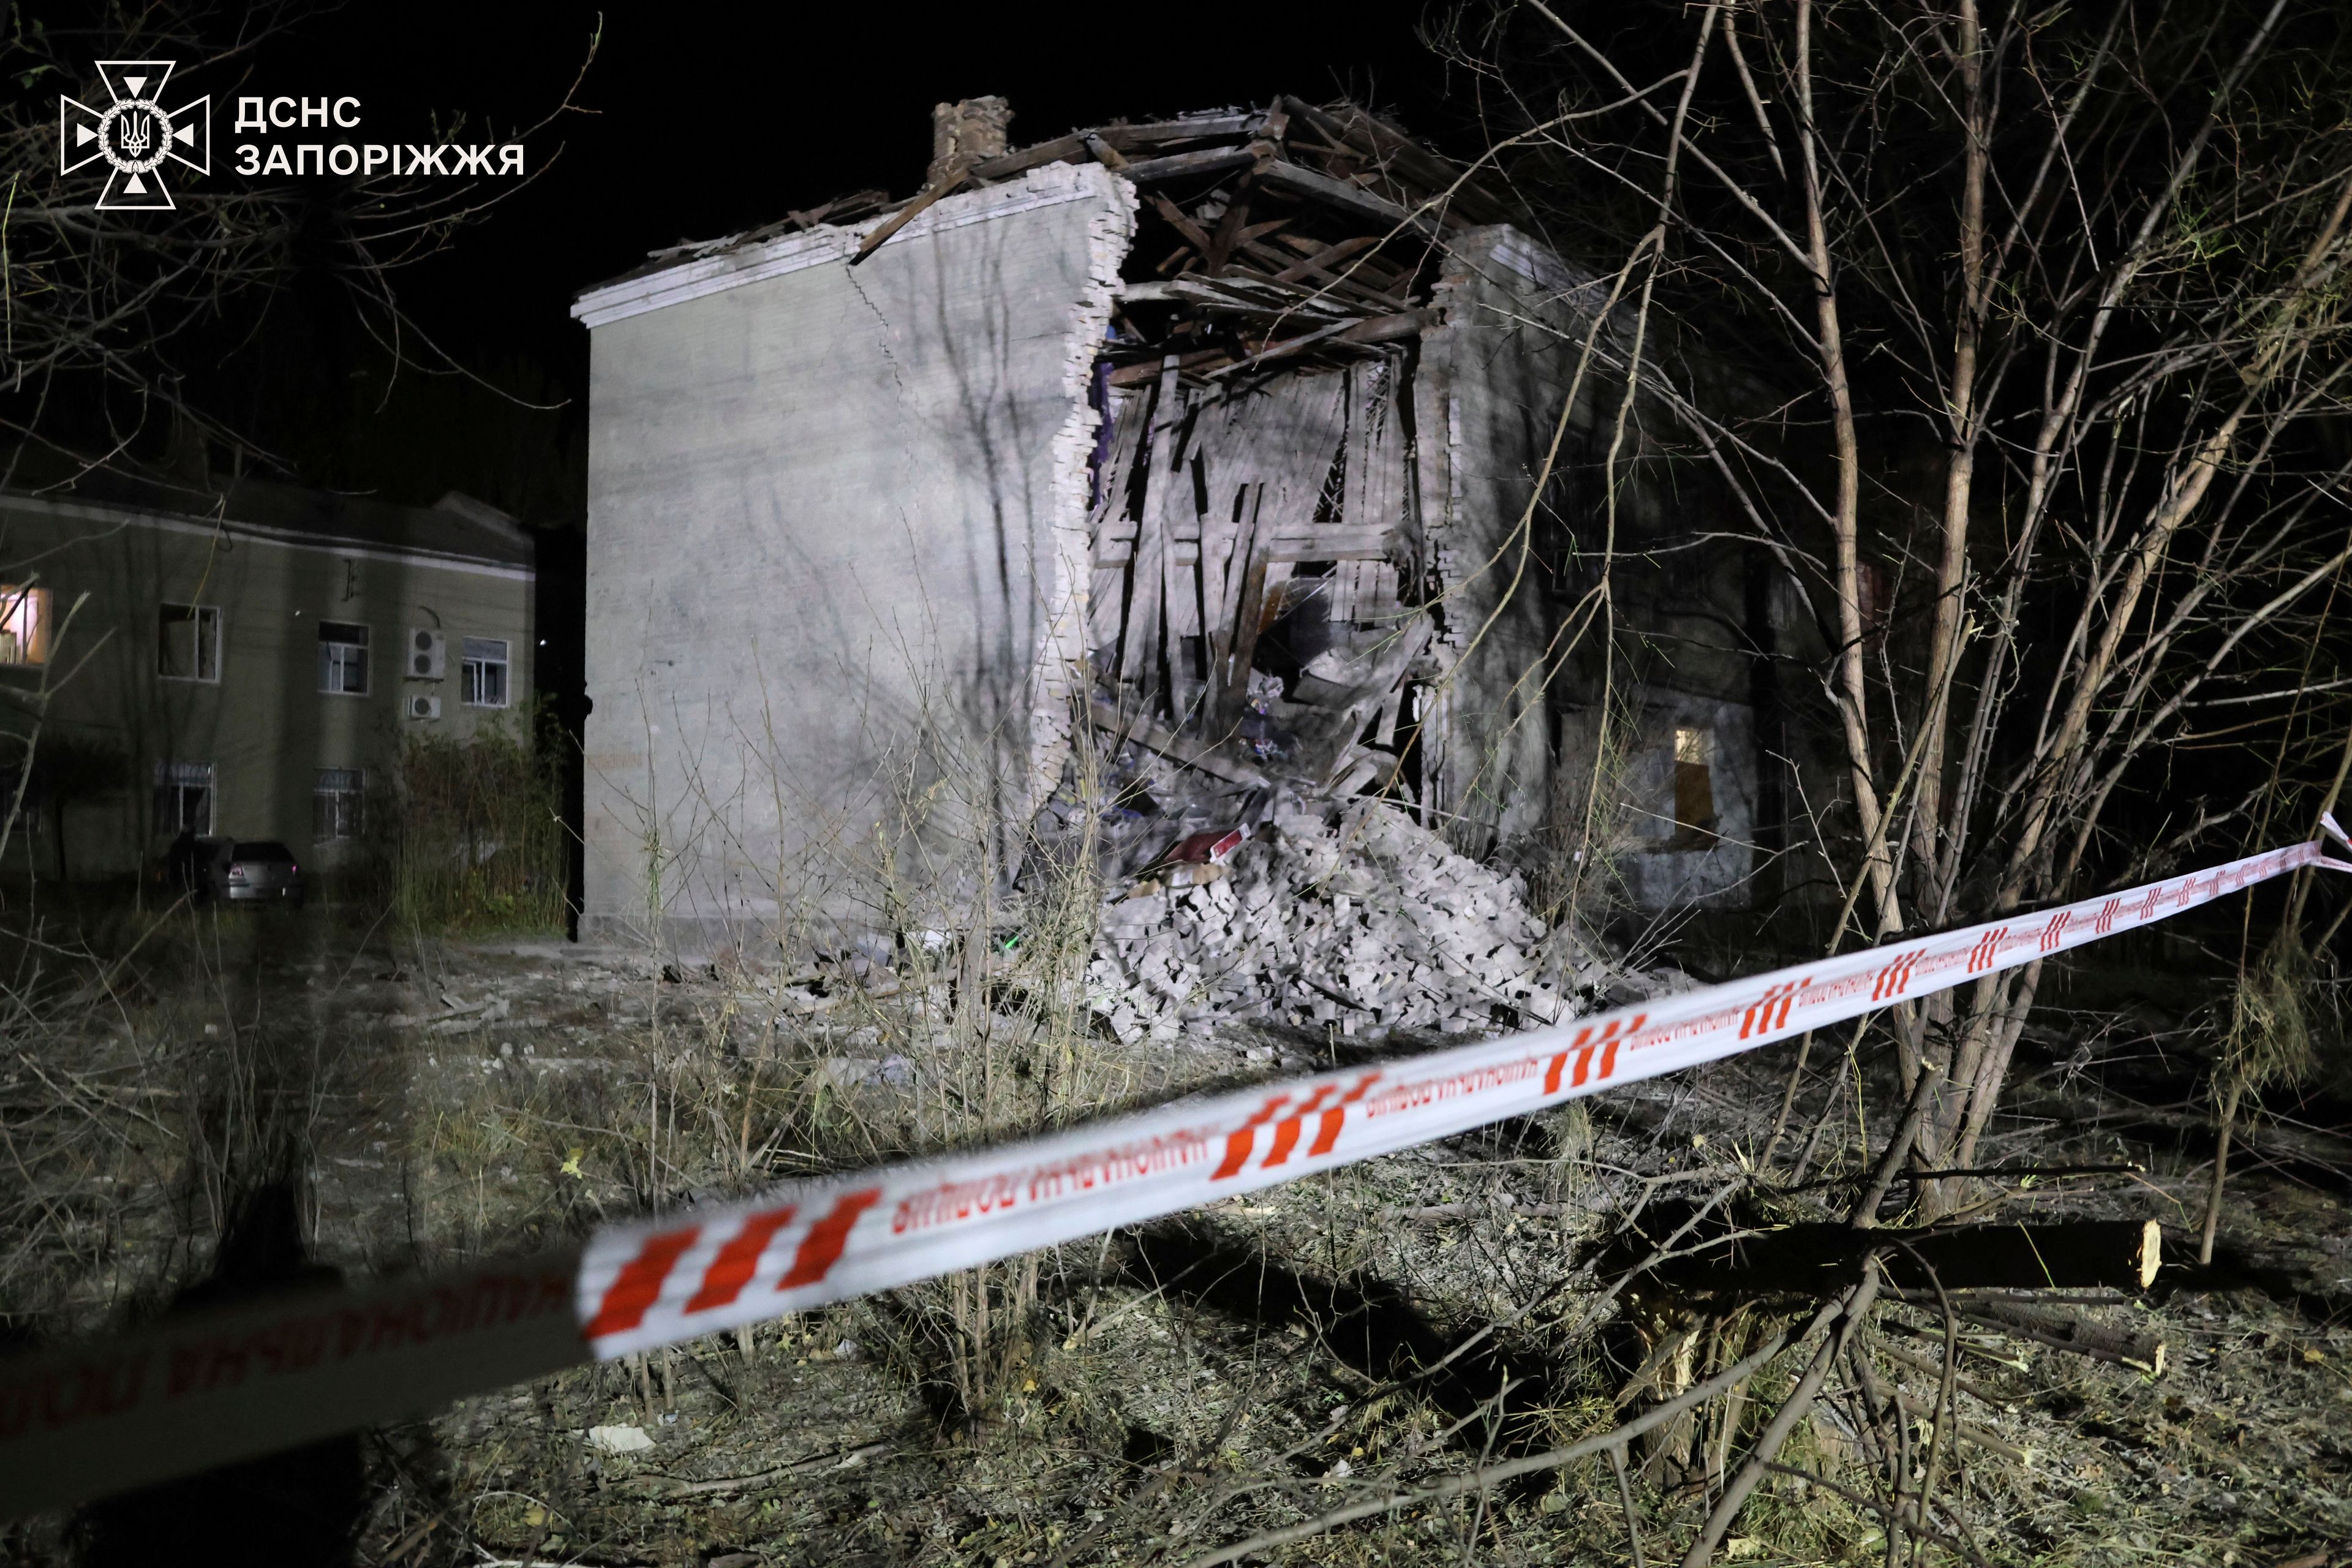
<point x="131" y="514"/>
<point x="1051" y="185"/>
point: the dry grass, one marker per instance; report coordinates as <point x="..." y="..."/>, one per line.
<point x="1150" y="1397"/>
<point x="475" y="839"/>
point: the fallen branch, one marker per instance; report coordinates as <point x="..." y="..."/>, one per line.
<point x="1884" y="1514"/>
<point x="1476" y="1208"/>
<point x="1850" y="1309"/>
<point x="1934" y="1369"/>
<point x="2082" y="1254"/>
<point x="1490" y="1476"/>
<point x="1967" y="1432"/>
<point x="670" y="1486"/>
<point x="2143" y="1351"/>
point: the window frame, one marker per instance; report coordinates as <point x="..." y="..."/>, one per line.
<point x="173" y="776"/>
<point x="1693" y="777"/>
<point x="365" y="646"/>
<point x="350" y="797"/>
<point x="201" y="615"/>
<point x="12" y="597"/>
<point x="467" y="688"/>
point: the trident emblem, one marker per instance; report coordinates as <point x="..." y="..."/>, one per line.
<point x="135" y="134"/>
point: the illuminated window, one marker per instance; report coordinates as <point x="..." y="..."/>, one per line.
<point x="187" y="642"/>
<point x="343" y="657"/>
<point x="485" y="672"/>
<point x="23" y="625"/>
<point x="1694" y="788"/>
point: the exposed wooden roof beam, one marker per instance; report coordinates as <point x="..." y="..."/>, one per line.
<point x="1319" y="262"/>
<point x="1346" y="197"/>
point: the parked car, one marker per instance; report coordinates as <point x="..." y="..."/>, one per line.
<point x="234" y="870"/>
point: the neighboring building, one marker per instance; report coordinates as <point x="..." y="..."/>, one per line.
<point x="1217" y="433"/>
<point x="243" y="659"/>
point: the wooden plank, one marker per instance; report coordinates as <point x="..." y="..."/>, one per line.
<point x="1375" y="269"/>
<point x="1179" y="129"/>
<point x="1371" y="330"/>
<point x="1105" y="604"/>
<point x="1251" y="293"/>
<point x="1478" y="201"/>
<point x="1389" y="663"/>
<point x="1312" y="541"/>
<point x="1247" y="623"/>
<point x="1356" y="288"/>
<point x="1330" y="543"/>
<point x="1148" y="372"/>
<point x="1180" y="613"/>
<point x="1374" y="330"/>
<point x="907" y="214"/>
<point x="1113" y="159"/>
<point x="1229" y="227"/>
<point x="1320" y="263"/>
<point x="1155" y="737"/>
<point x="1064" y="149"/>
<point x="1179" y="166"/>
<point x="1004" y="165"/>
<point x="1345" y="197"/>
<point x="1235" y="632"/>
<point x="1286" y="349"/>
<point x="1139" y="651"/>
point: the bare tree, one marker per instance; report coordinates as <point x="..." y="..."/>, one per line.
<point x="2034" y="313"/>
<point x="105" y="315"/>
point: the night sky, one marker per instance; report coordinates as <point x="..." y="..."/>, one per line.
<point x="700" y="121"/>
<point x="708" y="119"/>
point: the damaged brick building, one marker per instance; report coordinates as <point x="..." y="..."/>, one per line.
<point x="1218" y="435"/>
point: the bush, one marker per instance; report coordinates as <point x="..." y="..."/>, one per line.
<point x="477" y="839"/>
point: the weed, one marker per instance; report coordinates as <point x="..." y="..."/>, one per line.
<point x="478" y="843"/>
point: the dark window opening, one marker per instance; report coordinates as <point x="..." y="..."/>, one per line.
<point x="1693" y="789"/>
<point x="187" y="642"/>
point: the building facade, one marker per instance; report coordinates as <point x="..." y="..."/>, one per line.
<point x="1241" y="437"/>
<point x="245" y="659"/>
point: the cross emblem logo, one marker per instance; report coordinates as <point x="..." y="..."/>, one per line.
<point x="135" y="134"/>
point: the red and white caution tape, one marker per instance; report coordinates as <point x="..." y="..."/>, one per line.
<point x="657" y="1282"/>
<point x="185" y="1395"/>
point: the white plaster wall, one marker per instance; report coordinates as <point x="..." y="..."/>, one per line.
<point x="831" y="520"/>
<point x="1493" y="377"/>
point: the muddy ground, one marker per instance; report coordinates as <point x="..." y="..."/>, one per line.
<point x="1161" y="1395"/>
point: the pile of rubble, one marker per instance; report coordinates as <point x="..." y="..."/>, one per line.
<point x="1331" y="913"/>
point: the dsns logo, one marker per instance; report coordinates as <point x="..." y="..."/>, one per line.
<point x="135" y="134"/>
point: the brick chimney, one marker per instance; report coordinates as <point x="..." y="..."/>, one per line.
<point x="964" y="133"/>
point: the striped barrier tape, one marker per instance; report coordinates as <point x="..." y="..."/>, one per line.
<point x="188" y="1393"/>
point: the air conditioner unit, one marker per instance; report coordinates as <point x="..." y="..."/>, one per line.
<point x="428" y="654"/>
<point x="423" y="707"/>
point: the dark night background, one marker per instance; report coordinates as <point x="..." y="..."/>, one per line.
<point x="698" y="121"/>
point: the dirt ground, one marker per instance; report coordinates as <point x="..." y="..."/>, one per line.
<point x="1362" y="1337"/>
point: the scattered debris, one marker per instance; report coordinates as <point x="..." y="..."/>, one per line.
<point x="1349" y="915"/>
<point x="619" y="1439"/>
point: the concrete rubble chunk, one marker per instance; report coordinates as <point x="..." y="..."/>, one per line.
<point x="619" y="1439"/>
<point x="1348" y="914"/>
